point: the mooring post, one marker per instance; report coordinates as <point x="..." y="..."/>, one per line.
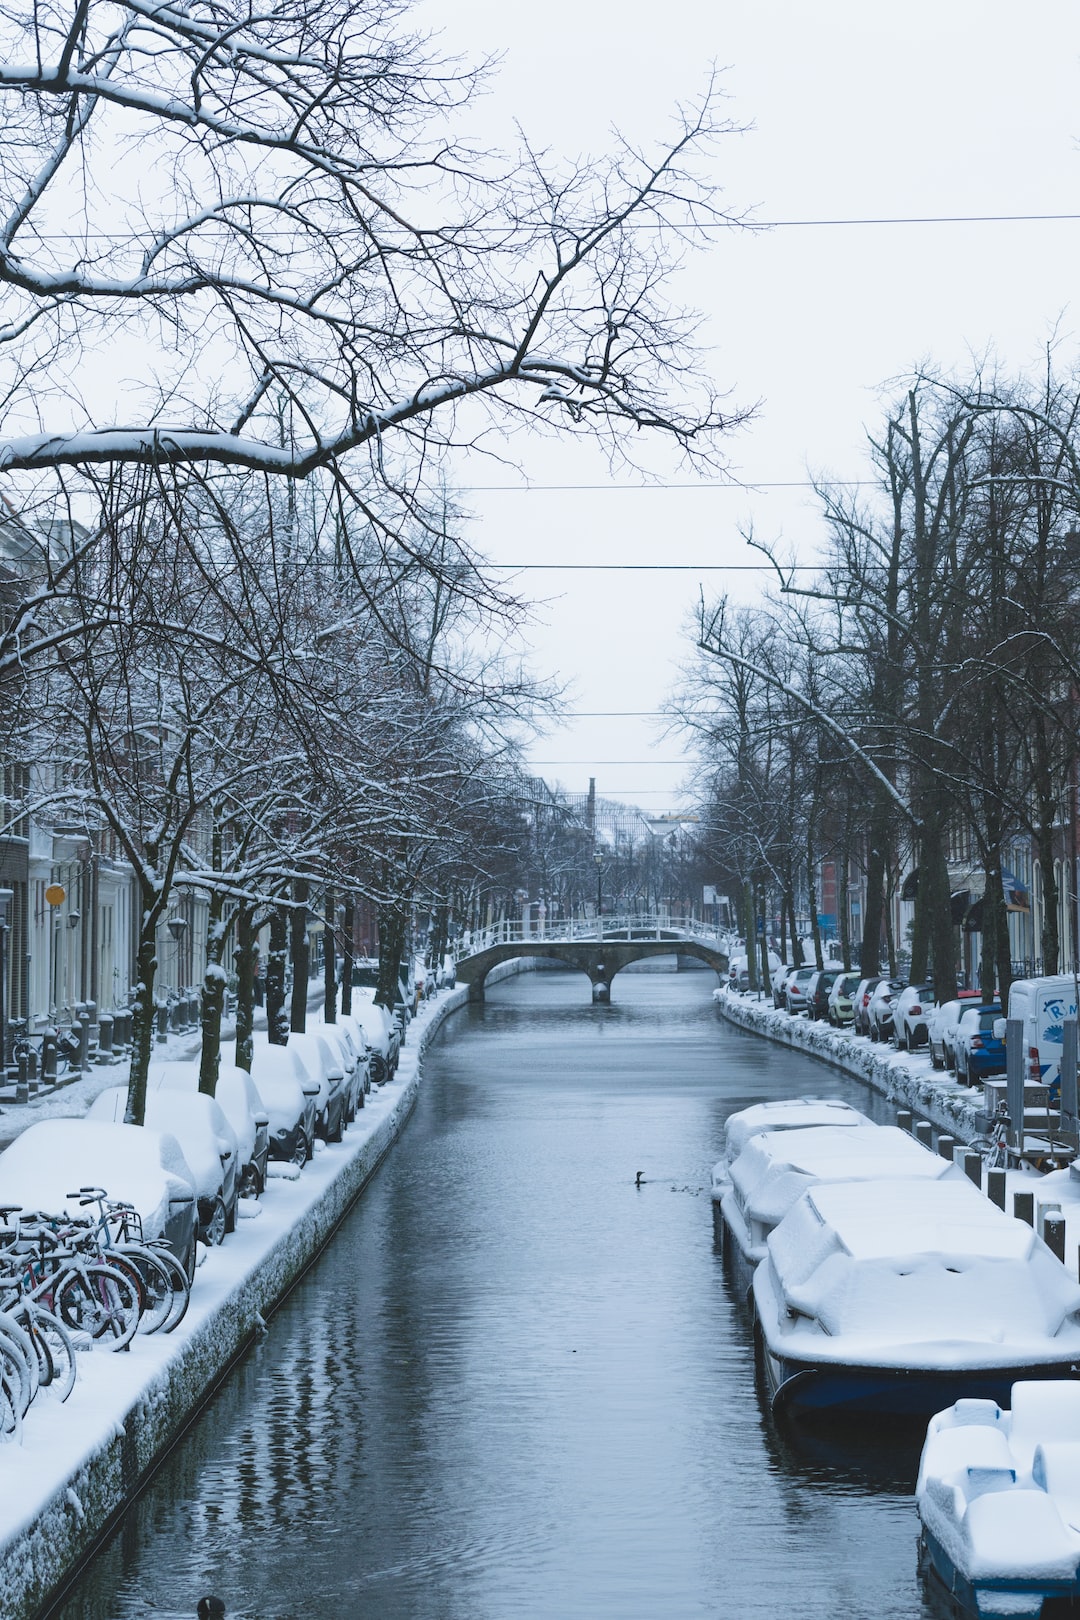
<point x="1024" y="1207"/>
<point x="995" y="1186"/>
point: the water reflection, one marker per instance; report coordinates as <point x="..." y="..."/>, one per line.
<point x="517" y="1384"/>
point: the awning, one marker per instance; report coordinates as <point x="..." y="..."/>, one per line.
<point x="910" y="886"/>
<point x="959" y="901"/>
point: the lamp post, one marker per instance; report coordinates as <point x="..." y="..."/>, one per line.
<point x="599" y="859"/>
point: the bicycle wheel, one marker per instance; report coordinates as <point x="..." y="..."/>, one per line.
<point x="18" y="1362"/>
<point x="99" y="1300"/>
<point x="155" y="1282"/>
<point x="178" y="1282"/>
<point x="50" y="1338"/>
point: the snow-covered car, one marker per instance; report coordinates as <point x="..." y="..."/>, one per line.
<point x="340" y="1040"/>
<point x="841" y="1010"/>
<point x="139" y="1166"/>
<point x="207" y="1141"/>
<point x="352" y="1030"/>
<point x="290" y="1097"/>
<point x="941" y="1031"/>
<point x="911" y="1013"/>
<point x="880" y="1010"/>
<point x="795" y="990"/>
<point x="779" y="985"/>
<point x="860" y="1002"/>
<point x="238" y="1098"/>
<point x="325" y="1064"/>
<point x="382" y="1036"/>
<point x="446" y="977"/>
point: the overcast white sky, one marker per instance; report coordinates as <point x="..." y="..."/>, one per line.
<point x="860" y="111"/>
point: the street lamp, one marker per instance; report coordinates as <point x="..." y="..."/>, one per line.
<point x="599" y="859"/>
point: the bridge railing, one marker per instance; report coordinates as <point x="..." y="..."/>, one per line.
<point x="638" y="925"/>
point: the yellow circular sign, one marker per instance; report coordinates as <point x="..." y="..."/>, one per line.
<point x="55" y="894"/>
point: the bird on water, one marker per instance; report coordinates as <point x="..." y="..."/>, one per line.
<point x="210" y="1608"/>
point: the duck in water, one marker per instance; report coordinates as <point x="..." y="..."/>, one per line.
<point x="210" y="1608"/>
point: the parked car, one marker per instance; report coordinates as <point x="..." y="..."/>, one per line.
<point x="841" y="1008"/>
<point x="795" y="992"/>
<point x="979" y="1051"/>
<point x="207" y="1141"/>
<point x="380" y="1032"/>
<point x="941" y="1030"/>
<point x="860" y="1002"/>
<point x="911" y="1012"/>
<point x="239" y="1100"/>
<point x="779" y="985"/>
<point x="290" y="1097"/>
<point x="324" y="1064"/>
<point x="817" y="992"/>
<point x="343" y="1045"/>
<point x="880" y="1010"/>
<point x="143" y="1167"/>
<point x="353" y="1030"/>
<point x="1043" y="1005"/>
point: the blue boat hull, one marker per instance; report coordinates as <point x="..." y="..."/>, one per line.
<point x="995" y="1599"/>
<point x="800" y="1388"/>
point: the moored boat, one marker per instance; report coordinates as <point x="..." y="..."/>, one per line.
<point x="904" y="1296"/>
<point x="786" y="1114"/>
<point x="998" y="1496"/>
<point x="775" y="1168"/>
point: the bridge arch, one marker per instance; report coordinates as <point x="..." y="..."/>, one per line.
<point x="599" y="959"/>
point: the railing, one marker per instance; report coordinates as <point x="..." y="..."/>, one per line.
<point x="645" y="925"/>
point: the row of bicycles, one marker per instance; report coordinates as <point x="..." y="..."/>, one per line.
<point x="69" y="1284"/>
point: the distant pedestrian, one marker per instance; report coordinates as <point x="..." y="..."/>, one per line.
<point x="210" y="1608"/>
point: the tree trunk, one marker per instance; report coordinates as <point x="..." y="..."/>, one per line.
<point x="329" y="959"/>
<point x="245" y="956"/>
<point x="300" y="956"/>
<point x="142" y="1027"/>
<point x="212" y="1000"/>
<point x="347" y="927"/>
<point x="393" y="920"/>
<point x="876" y="870"/>
<point x="811" y="891"/>
<point x="277" y="1023"/>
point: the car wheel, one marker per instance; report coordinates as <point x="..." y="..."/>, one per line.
<point x="218" y="1224"/>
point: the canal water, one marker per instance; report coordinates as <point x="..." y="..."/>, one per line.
<point x="516" y="1385"/>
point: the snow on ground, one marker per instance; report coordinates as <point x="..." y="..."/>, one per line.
<point x="58" y="1439"/>
<point x="909" y="1080"/>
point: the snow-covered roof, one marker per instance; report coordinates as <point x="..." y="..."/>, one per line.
<point x="788" y="1114"/>
<point x="776" y="1167"/>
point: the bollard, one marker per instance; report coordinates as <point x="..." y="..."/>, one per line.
<point x="162" y="1022"/>
<point x="946" y="1145"/>
<point x="82" y="1058"/>
<point x="22" y="1085"/>
<point x="48" y="1057"/>
<point x="105" y="1038"/>
<point x="904" y="1118"/>
<point x="1042" y="1215"/>
<point x="1024" y="1207"/>
<point x="1054" y="1234"/>
<point x="995" y="1187"/>
<point x="970" y="1163"/>
<point x="924" y="1132"/>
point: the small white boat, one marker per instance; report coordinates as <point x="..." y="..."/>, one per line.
<point x="903" y="1296"/>
<point x="998" y="1495"/>
<point x="787" y="1114"/>
<point x="775" y="1168"/>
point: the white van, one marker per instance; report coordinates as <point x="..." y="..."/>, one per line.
<point x="1044" y="1005"/>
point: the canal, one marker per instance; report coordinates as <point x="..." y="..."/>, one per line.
<point x="516" y="1384"/>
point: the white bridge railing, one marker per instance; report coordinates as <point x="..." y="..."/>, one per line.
<point x="645" y="925"/>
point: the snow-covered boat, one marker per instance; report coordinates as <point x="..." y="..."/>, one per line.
<point x="787" y="1114"/>
<point x="999" y="1498"/>
<point x="903" y="1296"/>
<point x="775" y="1168"/>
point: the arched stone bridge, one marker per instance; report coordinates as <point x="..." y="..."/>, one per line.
<point x="599" y="957"/>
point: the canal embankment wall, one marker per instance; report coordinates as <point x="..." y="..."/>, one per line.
<point x="66" y="1482"/>
<point x="907" y="1079"/>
